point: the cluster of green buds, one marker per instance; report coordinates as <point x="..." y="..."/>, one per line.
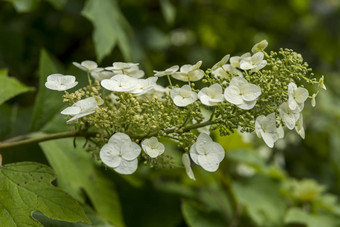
<point x="258" y="91"/>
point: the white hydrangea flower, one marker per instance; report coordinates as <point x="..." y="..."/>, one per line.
<point x="152" y="147"/>
<point x="207" y="153"/>
<point x="265" y="127"/>
<point x="260" y="46"/>
<point x="289" y="116"/>
<point x="241" y="93"/>
<point x="82" y="108"/>
<point x="253" y="63"/>
<point x="299" y="127"/>
<point x="102" y="75"/>
<point x="126" y="68"/>
<point x="88" y="66"/>
<point x="187" y="166"/>
<point x="168" y="71"/>
<point x="212" y="95"/>
<point x="120" y="83"/>
<point x="235" y="60"/>
<point x="296" y="97"/>
<point x="189" y="73"/>
<point x="120" y="153"/>
<point x="225" y="72"/>
<point x="144" y="85"/>
<point x="222" y="62"/>
<point x="59" y="82"/>
<point x="183" y="96"/>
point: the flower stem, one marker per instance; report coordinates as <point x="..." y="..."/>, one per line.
<point x="169" y="81"/>
<point x="6" y="145"/>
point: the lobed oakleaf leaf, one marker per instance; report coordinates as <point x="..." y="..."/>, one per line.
<point x="26" y="187"/>
<point x="77" y="171"/>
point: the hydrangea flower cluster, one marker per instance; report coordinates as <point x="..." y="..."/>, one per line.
<point x="256" y="92"/>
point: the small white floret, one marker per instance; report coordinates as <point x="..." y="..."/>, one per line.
<point x="59" y="82"/>
<point x="207" y="153"/>
<point x="88" y="66"/>
<point x="81" y="108"/>
<point x="152" y="147"/>
<point x="260" y="46"/>
<point x="212" y="95"/>
<point x="120" y="83"/>
<point x="241" y="93"/>
<point x="120" y="153"/>
<point x="253" y="63"/>
<point x="289" y="116"/>
<point x="183" y="96"/>
<point x="265" y="127"/>
<point x="189" y="73"/>
<point x="144" y="85"/>
<point x="168" y="71"/>
<point x="296" y="97"/>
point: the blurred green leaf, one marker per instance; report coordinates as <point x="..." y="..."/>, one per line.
<point x="110" y="27"/>
<point x="47" y="103"/>
<point x="261" y="198"/>
<point x="76" y="171"/>
<point x="168" y="10"/>
<point x="10" y="87"/>
<point x="296" y="215"/>
<point x="26" y="187"/>
<point x="196" y="215"/>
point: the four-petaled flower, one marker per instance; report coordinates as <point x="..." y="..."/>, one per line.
<point x="59" y="82"/>
<point x="120" y="153"/>
<point x="290" y="117"/>
<point x="241" y="93"/>
<point x="120" y="83"/>
<point x="144" y="85"/>
<point x="207" y="153"/>
<point x="253" y="63"/>
<point x="296" y="97"/>
<point x="168" y="71"/>
<point x="189" y="72"/>
<point x="82" y="108"/>
<point x="152" y="147"/>
<point x="88" y="66"/>
<point x="260" y="46"/>
<point x="212" y="95"/>
<point x="183" y="96"/>
<point x="265" y="127"/>
<point x="129" y="69"/>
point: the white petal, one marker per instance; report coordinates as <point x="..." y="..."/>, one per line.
<point x="90" y="65"/>
<point x="232" y="95"/>
<point x="245" y="105"/>
<point x="119" y="137"/>
<point x="127" y="167"/>
<point x="195" y="75"/>
<point x="201" y="142"/>
<point x="130" y="151"/>
<point x="110" y="156"/>
<point x="187" y="166"/>
<point x="208" y="162"/>
<point x="80" y="116"/>
<point x="72" y="110"/>
<point x="301" y="94"/>
<point x="194" y="154"/>
<point x="250" y="92"/>
<point x="270" y="138"/>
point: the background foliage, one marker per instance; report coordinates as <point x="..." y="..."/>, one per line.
<point x="253" y="187"/>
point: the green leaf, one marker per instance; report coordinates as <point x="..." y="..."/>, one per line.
<point x="48" y="103"/>
<point x="296" y="215"/>
<point x="261" y="197"/>
<point x="59" y="4"/>
<point x="23" y="6"/>
<point x="10" y="87"/>
<point x="76" y="171"/>
<point x="110" y="27"/>
<point x="26" y="187"/>
<point x="168" y="10"/>
<point x="196" y="215"/>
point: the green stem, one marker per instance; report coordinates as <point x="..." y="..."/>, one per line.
<point x="6" y="145"/>
<point x="169" y="81"/>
